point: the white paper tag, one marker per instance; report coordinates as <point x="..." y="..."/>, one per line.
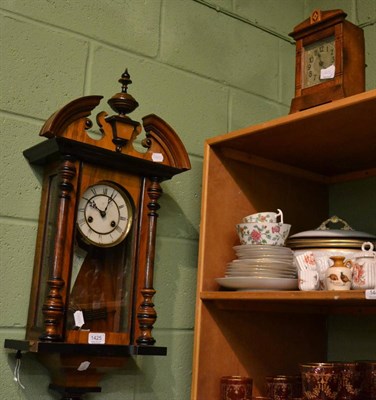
<point x="83" y="366"/>
<point x="78" y="318"/>
<point x="97" y="338"/>
<point x="371" y="294"/>
<point x="157" y="157"/>
<point x="328" y="73"/>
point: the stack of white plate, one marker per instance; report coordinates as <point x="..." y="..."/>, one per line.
<point x="261" y="267"/>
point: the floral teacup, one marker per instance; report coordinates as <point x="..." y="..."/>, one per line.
<point x="267" y="216"/>
<point x="263" y="233"/>
<point x="308" y="279"/>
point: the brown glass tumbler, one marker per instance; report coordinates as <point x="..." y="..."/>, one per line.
<point x="236" y="388"/>
<point x="320" y="381"/>
<point x="369" y="380"/>
<point x="351" y="377"/>
<point x="283" y="387"/>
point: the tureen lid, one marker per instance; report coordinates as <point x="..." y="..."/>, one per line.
<point x="323" y="236"/>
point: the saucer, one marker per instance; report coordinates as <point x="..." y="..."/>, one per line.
<point x="258" y="283"/>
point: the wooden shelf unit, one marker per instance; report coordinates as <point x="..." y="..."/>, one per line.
<point x="287" y="163"/>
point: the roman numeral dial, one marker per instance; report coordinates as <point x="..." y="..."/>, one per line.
<point x="104" y="214"/>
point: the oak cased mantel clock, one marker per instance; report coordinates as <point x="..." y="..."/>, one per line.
<point x="330" y="59"/>
<point x="91" y="303"/>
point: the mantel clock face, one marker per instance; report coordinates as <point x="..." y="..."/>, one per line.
<point x="319" y="62"/>
<point x="330" y="59"/>
<point x="104" y="215"/>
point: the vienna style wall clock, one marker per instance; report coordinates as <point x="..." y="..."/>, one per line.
<point x="91" y="303"/>
<point x="330" y="59"/>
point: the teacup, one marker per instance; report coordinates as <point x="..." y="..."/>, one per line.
<point x="363" y="266"/>
<point x="267" y="216"/>
<point x="308" y="280"/>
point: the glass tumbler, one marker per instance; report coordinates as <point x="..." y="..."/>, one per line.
<point x="283" y="387"/>
<point x="320" y="381"/>
<point x="236" y="388"/>
<point x="351" y="378"/>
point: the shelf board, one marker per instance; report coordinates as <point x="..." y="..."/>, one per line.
<point x="100" y="350"/>
<point x="293" y="301"/>
<point x="321" y="141"/>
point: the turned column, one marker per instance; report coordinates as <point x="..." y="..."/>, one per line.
<point x="53" y="307"/>
<point x="146" y="314"/>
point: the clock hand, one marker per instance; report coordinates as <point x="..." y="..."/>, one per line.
<point x="93" y="205"/>
<point x="101" y="212"/>
<point x="108" y="203"/>
<point x="321" y="61"/>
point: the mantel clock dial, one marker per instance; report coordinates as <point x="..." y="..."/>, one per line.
<point x="330" y="59"/>
<point x="319" y="62"/>
<point x="104" y="215"/>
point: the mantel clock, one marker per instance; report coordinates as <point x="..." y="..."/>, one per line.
<point x="330" y="59"/>
<point x="92" y="291"/>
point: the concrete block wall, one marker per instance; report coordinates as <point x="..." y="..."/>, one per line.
<point x="206" y="67"/>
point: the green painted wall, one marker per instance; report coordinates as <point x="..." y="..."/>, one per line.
<point x="205" y="71"/>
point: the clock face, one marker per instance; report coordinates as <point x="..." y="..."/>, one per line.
<point x="319" y="62"/>
<point x="104" y="215"/>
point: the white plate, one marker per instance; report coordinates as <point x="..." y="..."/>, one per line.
<point x="270" y="249"/>
<point x="248" y="261"/>
<point x="246" y="272"/>
<point x="273" y="274"/>
<point x="265" y="256"/>
<point x="262" y="247"/>
<point x="256" y="274"/>
<point x="270" y="266"/>
<point x="251" y="283"/>
<point x="262" y="254"/>
<point x="284" y="251"/>
<point x="248" y="256"/>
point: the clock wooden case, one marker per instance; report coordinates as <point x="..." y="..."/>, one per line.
<point x="92" y="290"/>
<point x="330" y="59"/>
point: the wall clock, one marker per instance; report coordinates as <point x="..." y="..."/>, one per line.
<point x="91" y="303"/>
<point x="330" y="59"/>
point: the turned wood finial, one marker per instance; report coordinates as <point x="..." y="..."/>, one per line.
<point x="125" y="80"/>
<point x="123" y="103"/>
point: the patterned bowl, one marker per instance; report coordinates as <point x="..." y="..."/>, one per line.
<point x="263" y="233"/>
